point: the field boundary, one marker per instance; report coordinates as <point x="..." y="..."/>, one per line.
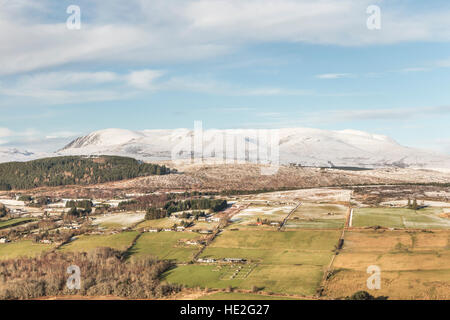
<point x="339" y="246"/>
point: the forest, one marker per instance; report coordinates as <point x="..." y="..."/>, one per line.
<point x="73" y="170"/>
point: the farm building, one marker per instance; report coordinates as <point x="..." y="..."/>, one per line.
<point x="204" y="231"/>
<point x="234" y="260"/>
<point x="206" y="260"/>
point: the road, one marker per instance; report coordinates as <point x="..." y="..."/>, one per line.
<point x="287" y="217"/>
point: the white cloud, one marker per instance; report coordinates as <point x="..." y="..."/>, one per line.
<point x="334" y="75"/>
<point x="5" y="132"/>
<point x="34" y="140"/>
<point x="206" y="84"/>
<point x="65" y="79"/>
<point x="443" y="63"/>
<point x="415" y="69"/>
<point x="145" y="32"/>
<point x="335" y="116"/>
<point x="62" y="135"/>
<point x="143" y="79"/>
<point x="77" y="87"/>
<point x="315" y="118"/>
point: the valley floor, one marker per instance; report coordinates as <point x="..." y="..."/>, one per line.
<point x="296" y="244"/>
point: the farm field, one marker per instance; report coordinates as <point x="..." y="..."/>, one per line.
<point x="291" y="279"/>
<point x="409" y="285"/>
<point x="251" y="214"/>
<point x="119" y="241"/>
<point x="399" y="218"/>
<point x="272" y="247"/>
<point x="268" y="256"/>
<point x="165" y="245"/>
<point x="273" y="240"/>
<point x="204" y="225"/>
<point x="119" y="220"/>
<point x="312" y="195"/>
<point x="318" y="216"/>
<point x="323" y="211"/>
<point x="242" y="296"/>
<point x="315" y="223"/>
<point x="157" y="223"/>
<point x="414" y="265"/>
<point x="289" y="262"/>
<point x="13" y="222"/>
<point x="24" y="248"/>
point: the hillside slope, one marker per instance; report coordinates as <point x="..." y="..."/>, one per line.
<point x="58" y="171"/>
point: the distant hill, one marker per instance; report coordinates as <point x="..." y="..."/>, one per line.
<point x="300" y="146"/>
<point x="58" y="171"/>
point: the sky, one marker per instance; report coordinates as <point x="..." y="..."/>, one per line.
<point x="161" y="64"/>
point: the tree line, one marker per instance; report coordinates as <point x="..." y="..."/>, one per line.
<point x="195" y="204"/>
<point x="104" y="272"/>
<point x="170" y="207"/>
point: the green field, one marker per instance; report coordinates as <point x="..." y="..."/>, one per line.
<point x="13" y="222"/>
<point x="272" y="247"/>
<point x="119" y="241"/>
<point x="165" y="245"/>
<point x="318" y="216"/>
<point x="398" y="218"/>
<point x="268" y="256"/>
<point x="242" y="296"/>
<point x="315" y="224"/>
<point x="317" y="210"/>
<point x="289" y="262"/>
<point x="157" y="223"/>
<point x="25" y="248"/>
<point x="292" y="279"/>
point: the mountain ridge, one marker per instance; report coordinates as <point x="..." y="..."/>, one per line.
<point x="302" y="146"/>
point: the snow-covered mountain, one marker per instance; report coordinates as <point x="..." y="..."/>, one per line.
<point x="304" y="146"/>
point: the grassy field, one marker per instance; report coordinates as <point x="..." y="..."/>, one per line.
<point x="119" y="241"/>
<point x="157" y="223"/>
<point x="25" y="248"/>
<point x="13" y="222"/>
<point x="311" y="210"/>
<point x="318" y="216"/>
<point x="242" y="296"/>
<point x="204" y="225"/>
<point x="302" y="280"/>
<point x="290" y="262"/>
<point x="204" y="276"/>
<point x="296" y="240"/>
<point x="431" y="284"/>
<point x="414" y="265"/>
<point x="272" y="247"/>
<point x="119" y="220"/>
<point x="268" y="256"/>
<point x="315" y="223"/>
<point x="166" y="245"/>
<point x="255" y="212"/>
<point x="399" y="218"/>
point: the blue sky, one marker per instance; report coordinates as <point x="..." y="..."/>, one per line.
<point x="232" y="64"/>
